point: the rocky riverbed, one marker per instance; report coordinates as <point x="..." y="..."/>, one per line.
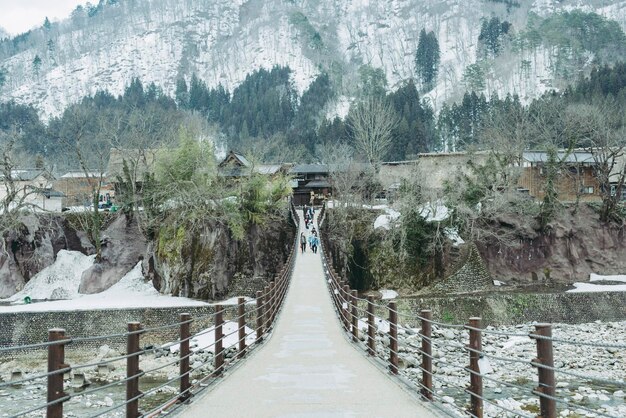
<point x="589" y="377"/>
<point x="160" y="364"/>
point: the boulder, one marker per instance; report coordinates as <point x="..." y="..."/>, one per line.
<point x="123" y="246"/>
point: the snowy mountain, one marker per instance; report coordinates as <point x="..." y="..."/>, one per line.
<point x="104" y="46"/>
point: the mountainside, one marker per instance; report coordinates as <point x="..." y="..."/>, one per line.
<point x="535" y="47"/>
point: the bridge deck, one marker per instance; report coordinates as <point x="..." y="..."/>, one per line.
<point x="307" y="368"/>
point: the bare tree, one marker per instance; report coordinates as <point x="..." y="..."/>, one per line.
<point x="372" y="123"/>
<point x="601" y="129"/>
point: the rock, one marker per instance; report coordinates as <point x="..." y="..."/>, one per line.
<point x="448" y="334"/>
<point x="108" y="402"/>
<point x="122" y="248"/>
<point x="562" y="384"/>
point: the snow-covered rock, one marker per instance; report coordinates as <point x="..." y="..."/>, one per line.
<point x="58" y="281"/>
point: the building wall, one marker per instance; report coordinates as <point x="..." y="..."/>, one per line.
<point x="433" y="169"/>
<point x="567" y="185"/>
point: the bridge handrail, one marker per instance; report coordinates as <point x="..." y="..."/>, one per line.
<point x="261" y="326"/>
<point x="346" y="302"/>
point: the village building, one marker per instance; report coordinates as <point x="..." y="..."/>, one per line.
<point x="311" y="184"/>
<point x="576" y="177"/>
<point x="140" y="162"/>
<point x="34" y="190"/>
<point x="77" y="187"/>
<point x="236" y="165"/>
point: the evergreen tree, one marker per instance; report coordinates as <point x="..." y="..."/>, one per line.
<point x="36" y="65"/>
<point x="46" y="24"/>
<point x="427" y="59"/>
<point x="181" y="94"/>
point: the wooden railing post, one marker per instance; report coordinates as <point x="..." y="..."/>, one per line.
<point x="219" y="342"/>
<point x="427" y="360"/>
<point x="355" y="317"/>
<point x="346" y="306"/>
<point x="56" y="362"/>
<point x="259" y="316"/>
<point x="268" y="309"/>
<point x="547" y="383"/>
<point x="132" y="370"/>
<point x="393" y="337"/>
<point x="241" y="312"/>
<point x="476" y="380"/>
<point x="371" y="340"/>
<point x="184" y="352"/>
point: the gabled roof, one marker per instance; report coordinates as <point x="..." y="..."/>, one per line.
<point x="235" y="159"/>
<point x="27" y="174"/>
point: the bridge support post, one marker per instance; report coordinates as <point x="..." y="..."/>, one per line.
<point x="393" y="337"/>
<point x="427" y="356"/>
<point x="371" y="340"/>
<point x="272" y="301"/>
<point x="267" y="309"/>
<point x="355" y="317"/>
<point x="56" y="362"/>
<point x="219" y="343"/>
<point x="259" y="316"/>
<point x="241" y="313"/>
<point x="132" y="370"/>
<point x="185" y="353"/>
<point x="545" y="364"/>
<point x="346" y="307"/>
<point x="476" y="380"/>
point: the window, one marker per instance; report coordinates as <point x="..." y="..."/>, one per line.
<point x="587" y="190"/>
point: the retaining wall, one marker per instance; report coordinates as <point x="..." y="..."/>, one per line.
<point x="32" y="327"/>
<point x="516" y="308"/>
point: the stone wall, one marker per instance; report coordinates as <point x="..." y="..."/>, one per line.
<point x="32" y="327"/>
<point x="517" y="308"/>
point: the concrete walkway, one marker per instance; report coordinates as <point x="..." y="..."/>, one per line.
<point x="307" y="368"/>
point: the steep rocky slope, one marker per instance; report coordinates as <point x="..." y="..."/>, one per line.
<point x="224" y="40"/>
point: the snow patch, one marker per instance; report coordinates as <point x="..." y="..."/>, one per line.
<point x="60" y="280"/>
<point x="205" y="339"/>
<point x="388" y="294"/>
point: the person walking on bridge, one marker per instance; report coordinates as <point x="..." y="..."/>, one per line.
<point x="302" y="242"/>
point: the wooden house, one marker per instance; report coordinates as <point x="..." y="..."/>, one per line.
<point x="236" y="165"/>
<point x="77" y="187"/>
<point x="311" y="183"/>
<point x="576" y="176"/>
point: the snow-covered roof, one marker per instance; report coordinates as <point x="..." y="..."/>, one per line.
<point x="26" y="174"/>
<point x="79" y="174"/>
<point x="268" y="169"/>
<point x="580" y="157"/>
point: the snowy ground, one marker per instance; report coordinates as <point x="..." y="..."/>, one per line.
<point x="598" y="283"/>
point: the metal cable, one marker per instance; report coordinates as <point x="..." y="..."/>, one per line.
<point x="516" y="413"/>
<point x="38" y="345"/>
<point x="60" y="400"/>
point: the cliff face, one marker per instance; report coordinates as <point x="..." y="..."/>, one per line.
<point x="32" y="247"/>
<point x="213" y="265"/>
<point x="576" y="246"/>
<point x="208" y="265"/>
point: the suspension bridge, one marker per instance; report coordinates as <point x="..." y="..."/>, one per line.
<point x="307" y="346"/>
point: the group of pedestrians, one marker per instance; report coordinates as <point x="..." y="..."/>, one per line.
<point x="308" y="212"/>
<point x="313" y="240"/>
